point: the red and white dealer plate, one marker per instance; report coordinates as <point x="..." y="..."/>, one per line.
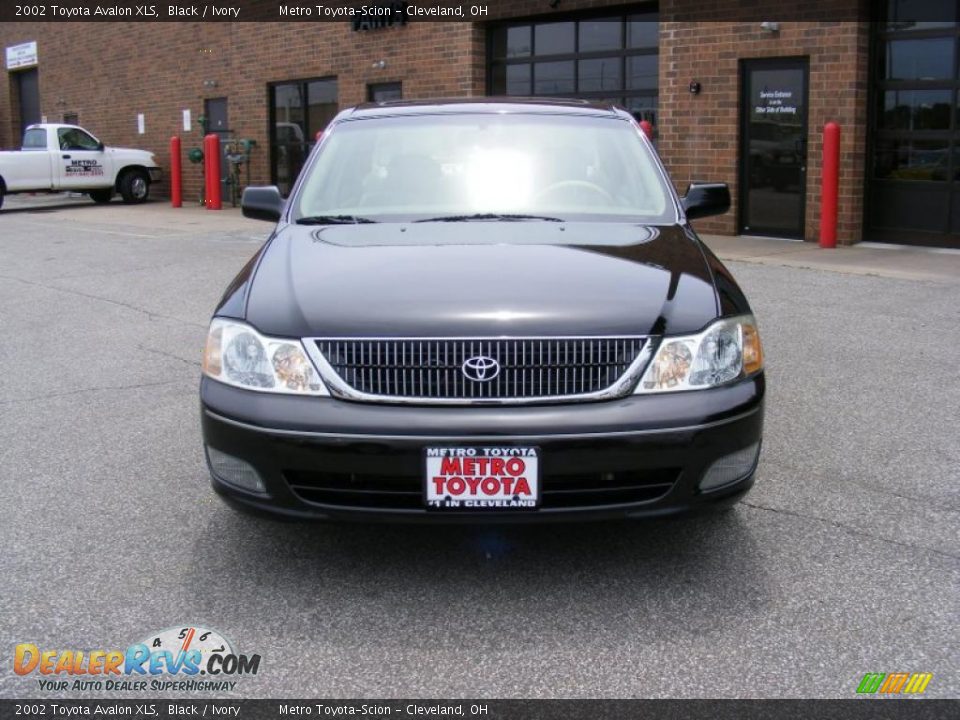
<point x="482" y="478"/>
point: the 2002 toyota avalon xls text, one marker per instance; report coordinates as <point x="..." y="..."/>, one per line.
<point x="488" y="310"/>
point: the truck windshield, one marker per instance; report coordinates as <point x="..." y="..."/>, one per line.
<point x="484" y="166"/>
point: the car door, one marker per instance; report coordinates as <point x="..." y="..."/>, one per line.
<point x="82" y="163"/>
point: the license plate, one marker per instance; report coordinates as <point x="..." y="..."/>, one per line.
<point x="482" y="478"/>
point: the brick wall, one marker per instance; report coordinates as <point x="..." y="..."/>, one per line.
<point x="699" y="134"/>
<point x="109" y="72"/>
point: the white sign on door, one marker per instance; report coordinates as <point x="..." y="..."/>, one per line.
<point x="22" y="55"/>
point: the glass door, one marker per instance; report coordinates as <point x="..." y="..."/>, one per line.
<point x="913" y="158"/>
<point x="773" y="147"/>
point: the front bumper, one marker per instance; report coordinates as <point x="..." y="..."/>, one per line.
<point x="323" y="458"/>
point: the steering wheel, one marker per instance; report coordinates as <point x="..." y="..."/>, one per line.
<point x="565" y="184"/>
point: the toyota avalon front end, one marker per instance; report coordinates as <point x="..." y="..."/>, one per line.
<point x="485" y="311"/>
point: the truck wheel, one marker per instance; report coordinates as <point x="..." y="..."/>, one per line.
<point x="101" y="196"/>
<point x="134" y="186"/>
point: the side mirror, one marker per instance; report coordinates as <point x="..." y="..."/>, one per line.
<point x="262" y="203"/>
<point x="704" y="199"/>
<point x="100" y="147"/>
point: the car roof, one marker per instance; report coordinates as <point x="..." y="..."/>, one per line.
<point x="538" y="105"/>
<point x="44" y="126"/>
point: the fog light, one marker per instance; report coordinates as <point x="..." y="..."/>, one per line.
<point x="234" y="471"/>
<point x="730" y="468"/>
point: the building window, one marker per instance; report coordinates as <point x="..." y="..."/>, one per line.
<point x="914" y="159"/>
<point x="384" y="92"/>
<point x="609" y="59"/>
<point x="298" y="111"/>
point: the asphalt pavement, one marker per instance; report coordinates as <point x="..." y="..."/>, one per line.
<point x="843" y="560"/>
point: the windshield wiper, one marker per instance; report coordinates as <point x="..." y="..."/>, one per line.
<point x="333" y="220"/>
<point x="488" y="216"/>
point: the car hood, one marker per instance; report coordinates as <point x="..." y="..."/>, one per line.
<point x="132" y="154"/>
<point x="448" y="279"/>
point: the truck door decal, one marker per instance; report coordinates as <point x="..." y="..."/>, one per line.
<point x="83" y="168"/>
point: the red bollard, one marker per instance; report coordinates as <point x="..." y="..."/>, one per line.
<point x="830" y="185"/>
<point x="206" y="171"/>
<point x="176" y="173"/>
<point x="211" y="157"/>
<point x="647" y="129"/>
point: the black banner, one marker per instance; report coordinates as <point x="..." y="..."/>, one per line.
<point x="853" y="709"/>
<point x="372" y="14"/>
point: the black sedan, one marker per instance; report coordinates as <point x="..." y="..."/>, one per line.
<point x="487" y="311"/>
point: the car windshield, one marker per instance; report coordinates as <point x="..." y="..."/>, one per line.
<point x="484" y="167"/>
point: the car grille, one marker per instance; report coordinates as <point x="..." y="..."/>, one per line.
<point x="433" y="369"/>
<point x="399" y="492"/>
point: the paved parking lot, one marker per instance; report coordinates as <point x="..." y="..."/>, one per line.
<point x="843" y="560"/>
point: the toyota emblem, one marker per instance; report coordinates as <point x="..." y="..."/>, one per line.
<point x="480" y="368"/>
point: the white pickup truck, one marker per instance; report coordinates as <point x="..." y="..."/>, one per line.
<point x="67" y="158"/>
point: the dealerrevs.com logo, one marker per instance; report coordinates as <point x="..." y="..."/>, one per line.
<point x="189" y="658"/>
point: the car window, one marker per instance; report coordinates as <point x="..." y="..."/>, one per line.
<point x="35" y="139"/>
<point x="76" y="139"/>
<point x="289" y="133"/>
<point x="448" y="165"/>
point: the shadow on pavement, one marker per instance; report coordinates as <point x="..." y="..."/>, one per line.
<point x="13" y="205"/>
<point x="48" y="207"/>
<point x="387" y="584"/>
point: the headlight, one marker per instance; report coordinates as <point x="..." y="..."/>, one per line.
<point x="727" y="350"/>
<point x="236" y="354"/>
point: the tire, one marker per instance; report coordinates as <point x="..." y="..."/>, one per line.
<point x="134" y="187"/>
<point x="101" y="196"/>
<point x="3" y="191"/>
